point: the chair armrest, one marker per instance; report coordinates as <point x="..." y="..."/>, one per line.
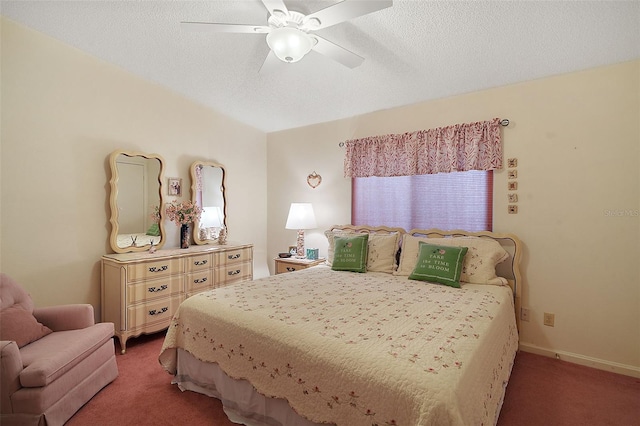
<point x="65" y="317"/>
<point x="10" y="369"/>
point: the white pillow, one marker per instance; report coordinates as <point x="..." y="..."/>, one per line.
<point x="479" y="263"/>
<point x="382" y="252"/>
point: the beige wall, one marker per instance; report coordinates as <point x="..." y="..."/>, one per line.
<point x="63" y="113"/>
<point x="577" y="139"/>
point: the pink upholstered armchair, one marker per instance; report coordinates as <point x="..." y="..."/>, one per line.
<point x="53" y="359"/>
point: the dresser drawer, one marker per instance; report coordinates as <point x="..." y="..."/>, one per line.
<point x="233" y="256"/>
<point x="199" y="281"/>
<point x="199" y="263"/>
<point x="153" y="289"/>
<point x="282" y="267"/>
<point x="233" y="273"/>
<point x="292" y="265"/>
<point x="153" y="312"/>
<point x="154" y="269"/>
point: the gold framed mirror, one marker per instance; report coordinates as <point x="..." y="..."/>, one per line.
<point x="208" y="192"/>
<point x="136" y="201"/>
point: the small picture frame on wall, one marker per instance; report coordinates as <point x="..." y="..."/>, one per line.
<point x="512" y="162"/>
<point x="513" y="198"/>
<point x="175" y="186"/>
<point x="512" y="174"/>
<point x="513" y="209"/>
<point x="513" y="186"/>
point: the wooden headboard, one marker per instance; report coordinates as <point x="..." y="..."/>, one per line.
<point x="368" y="229"/>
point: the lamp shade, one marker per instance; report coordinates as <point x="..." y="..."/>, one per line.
<point x="301" y="216"/>
<point x="289" y="44"/>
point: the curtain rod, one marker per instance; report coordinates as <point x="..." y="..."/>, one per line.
<point x="504" y="123"/>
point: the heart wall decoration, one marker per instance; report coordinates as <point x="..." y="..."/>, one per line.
<point x="314" y="180"/>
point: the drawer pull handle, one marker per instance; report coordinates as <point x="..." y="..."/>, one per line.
<point x="163" y="287"/>
<point x="290" y="269"/>
<point x="236" y="272"/>
<point x="160" y="269"/>
<point x="234" y="256"/>
<point x="159" y="312"/>
<point x="200" y="281"/>
<point x="200" y="262"/>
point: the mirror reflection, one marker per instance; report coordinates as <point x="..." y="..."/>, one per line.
<point x="207" y="191"/>
<point x="136" y="200"/>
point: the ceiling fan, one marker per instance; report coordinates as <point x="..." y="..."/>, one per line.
<point x="290" y="34"/>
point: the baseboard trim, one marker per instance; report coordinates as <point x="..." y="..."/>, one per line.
<point x="600" y="364"/>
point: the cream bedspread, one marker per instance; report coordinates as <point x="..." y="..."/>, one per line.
<point x="357" y="349"/>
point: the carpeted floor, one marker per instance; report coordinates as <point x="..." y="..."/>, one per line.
<point x="541" y="391"/>
<point x="546" y="391"/>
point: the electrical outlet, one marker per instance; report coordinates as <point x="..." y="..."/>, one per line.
<point x="549" y="319"/>
<point x="524" y="314"/>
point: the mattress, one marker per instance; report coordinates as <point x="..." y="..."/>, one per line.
<point x="354" y="349"/>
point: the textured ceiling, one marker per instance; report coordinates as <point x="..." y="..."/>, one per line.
<point x="414" y="51"/>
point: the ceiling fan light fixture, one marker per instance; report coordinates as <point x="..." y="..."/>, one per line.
<point x="290" y="44"/>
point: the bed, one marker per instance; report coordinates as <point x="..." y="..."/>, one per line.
<point x="330" y="346"/>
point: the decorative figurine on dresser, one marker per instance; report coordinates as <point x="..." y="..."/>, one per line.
<point x="143" y="285"/>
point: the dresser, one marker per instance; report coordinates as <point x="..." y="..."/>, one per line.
<point x="141" y="291"/>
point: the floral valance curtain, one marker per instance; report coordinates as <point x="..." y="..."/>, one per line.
<point x="462" y="147"/>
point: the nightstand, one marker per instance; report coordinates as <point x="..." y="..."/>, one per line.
<point x="290" y="264"/>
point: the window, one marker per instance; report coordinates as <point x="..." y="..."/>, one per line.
<point x="458" y="200"/>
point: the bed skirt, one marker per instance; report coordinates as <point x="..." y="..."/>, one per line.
<point x="241" y="402"/>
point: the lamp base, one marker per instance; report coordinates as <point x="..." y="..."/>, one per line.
<point x="300" y="245"/>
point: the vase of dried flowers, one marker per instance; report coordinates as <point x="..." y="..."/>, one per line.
<point x="184" y="236"/>
<point x="183" y="214"/>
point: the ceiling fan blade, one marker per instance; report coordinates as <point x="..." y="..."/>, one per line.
<point x="273" y="5"/>
<point x="345" y="10"/>
<point x="337" y="53"/>
<point x="212" y="27"/>
<point x="270" y="63"/>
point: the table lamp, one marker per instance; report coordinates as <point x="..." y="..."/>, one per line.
<point x="301" y="217"/>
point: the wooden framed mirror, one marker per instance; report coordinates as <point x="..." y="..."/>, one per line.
<point x="208" y="192"/>
<point x="136" y="201"/>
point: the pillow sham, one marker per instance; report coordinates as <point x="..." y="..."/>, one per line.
<point x="19" y="325"/>
<point x="381" y="251"/>
<point x="350" y="253"/>
<point x="479" y="265"/>
<point x="439" y="264"/>
<point x="381" y="256"/>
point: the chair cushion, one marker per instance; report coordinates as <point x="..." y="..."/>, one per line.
<point x="20" y="326"/>
<point x="52" y="356"/>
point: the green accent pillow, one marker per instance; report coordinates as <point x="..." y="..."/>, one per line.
<point x="154" y="230"/>
<point x="350" y="253"/>
<point x="439" y="264"/>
